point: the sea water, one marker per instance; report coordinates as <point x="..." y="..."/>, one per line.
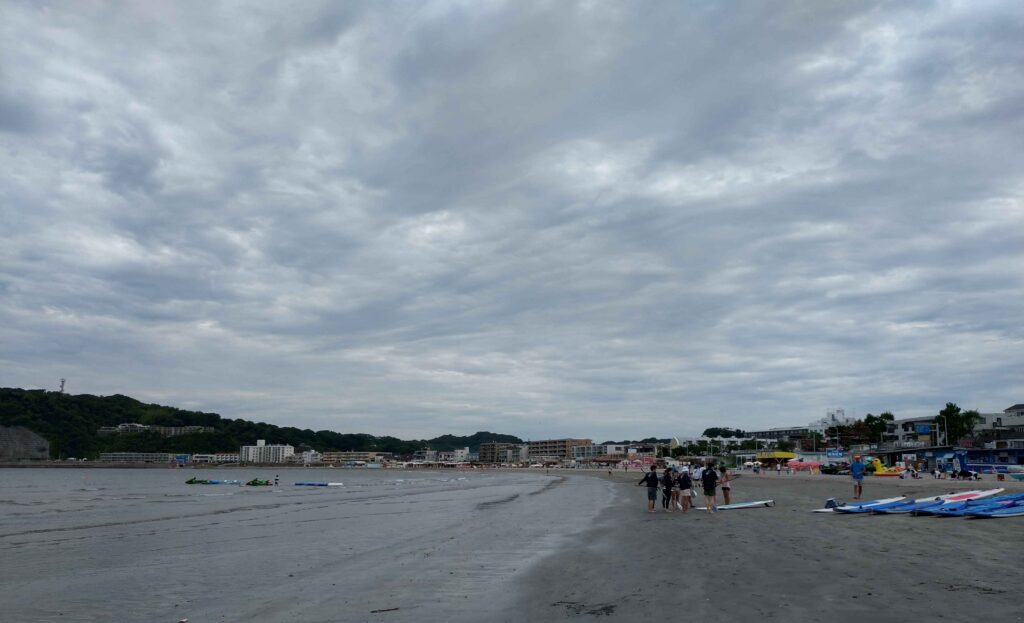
<point x="141" y="545"/>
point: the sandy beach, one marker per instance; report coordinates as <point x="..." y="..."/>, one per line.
<point x="139" y="545"/>
<point x="784" y="563"/>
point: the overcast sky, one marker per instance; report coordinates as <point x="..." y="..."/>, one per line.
<point x="597" y="219"/>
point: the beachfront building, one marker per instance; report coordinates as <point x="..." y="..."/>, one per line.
<point x="141" y="457"/>
<point x="458" y="455"/>
<point x="554" y="450"/>
<point x="498" y="452"/>
<point x="310" y="457"/>
<point x="216" y="458"/>
<point x="340" y="458"/>
<point x="263" y="453"/>
<point x="599" y="453"/>
<point x="425" y="456"/>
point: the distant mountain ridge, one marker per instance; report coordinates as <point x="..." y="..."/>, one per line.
<point x="71" y="424"/>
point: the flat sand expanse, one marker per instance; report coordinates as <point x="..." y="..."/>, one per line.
<point x="127" y="546"/>
<point x="784" y="563"/>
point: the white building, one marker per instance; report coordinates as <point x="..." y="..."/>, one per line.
<point x="220" y="457"/>
<point x="593" y="451"/>
<point x="1012" y="416"/>
<point x="262" y="453"/>
<point x="833" y="417"/>
<point x="310" y="457"/>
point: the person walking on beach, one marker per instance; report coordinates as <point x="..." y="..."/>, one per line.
<point x="667" y="483"/>
<point x="726" y="484"/>
<point x="857" y="473"/>
<point x="709" y="481"/>
<point x="651" y="480"/>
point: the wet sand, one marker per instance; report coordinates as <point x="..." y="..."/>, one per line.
<point x="784" y="563"/>
<point x="390" y="545"/>
<point x="138" y="545"/>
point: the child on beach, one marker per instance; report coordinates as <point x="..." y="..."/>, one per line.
<point x="726" y="484"/>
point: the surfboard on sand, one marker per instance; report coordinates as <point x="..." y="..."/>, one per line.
<point x="869" y="504"/>
<point x="728" y="507"/>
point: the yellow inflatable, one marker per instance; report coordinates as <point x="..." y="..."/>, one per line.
<point x="882" y="470"/>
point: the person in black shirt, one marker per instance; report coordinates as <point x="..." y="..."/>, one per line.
<point x="709" y="481"/>
<point x="651" y="480"/>
<point x="667" y="482"/>
<point x="684" y="483"/>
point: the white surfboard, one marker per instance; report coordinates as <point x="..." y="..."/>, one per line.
<point x="861" y="504"/>
<point x="726" y="507"/>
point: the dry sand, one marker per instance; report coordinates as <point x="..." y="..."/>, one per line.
<point x="783" y="563"/>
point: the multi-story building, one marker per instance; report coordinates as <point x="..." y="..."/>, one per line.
<point x="555" y="449"/>
<point x="1009" y="418"/>
<point x="425" y="456"/>
<point x="139" y="457"/>
<point x="310" y="457"/>
<point x="598" y="452"/>
<point x="219" y="457"/>
<point x="263" y="453"/>
<point x="784" y="433"/>
<point x="515" y="455"/>
<point x="491" y="451"/>
<point x="164" y="431"/>
<point x="457" y="455"/>
<point x="336" y="458"/>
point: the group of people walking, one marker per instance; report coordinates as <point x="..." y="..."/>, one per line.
<point x="678" y="486"/>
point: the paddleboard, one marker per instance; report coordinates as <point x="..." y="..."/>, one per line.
<point x="728" y="507"/>
<point x="319" y="484"/>
<point x="1017" y="510"/>
<point x="860" y="505"/>
<point x="957" y="499"/>
<point x="959" y="509"/>
<point x="923" y="503"/>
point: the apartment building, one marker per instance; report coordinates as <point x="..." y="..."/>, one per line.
<point x="598" y="451"/>
<point x="491" y="451"/>
<point x="336" y="458"/>
<point x="555" y="449"/>
<point x="139" y="457"/>
<point x="263" y="453"/>
<point x="220" y="457"/>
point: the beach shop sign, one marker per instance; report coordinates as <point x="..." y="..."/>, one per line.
<point x="833" y="453"/>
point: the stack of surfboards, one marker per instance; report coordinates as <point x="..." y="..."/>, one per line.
<point x="982" y="503"/>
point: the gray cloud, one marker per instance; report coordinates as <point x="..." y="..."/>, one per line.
<point x="539" y="218"/>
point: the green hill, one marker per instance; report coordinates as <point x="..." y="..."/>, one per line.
<point x="70" y="424"/>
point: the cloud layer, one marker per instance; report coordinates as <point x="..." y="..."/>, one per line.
<point x="600" y="219"/>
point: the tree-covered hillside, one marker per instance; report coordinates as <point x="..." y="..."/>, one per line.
<point x="70" y="424"/>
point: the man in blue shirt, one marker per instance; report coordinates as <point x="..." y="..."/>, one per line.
<point x="857" y="473"/>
